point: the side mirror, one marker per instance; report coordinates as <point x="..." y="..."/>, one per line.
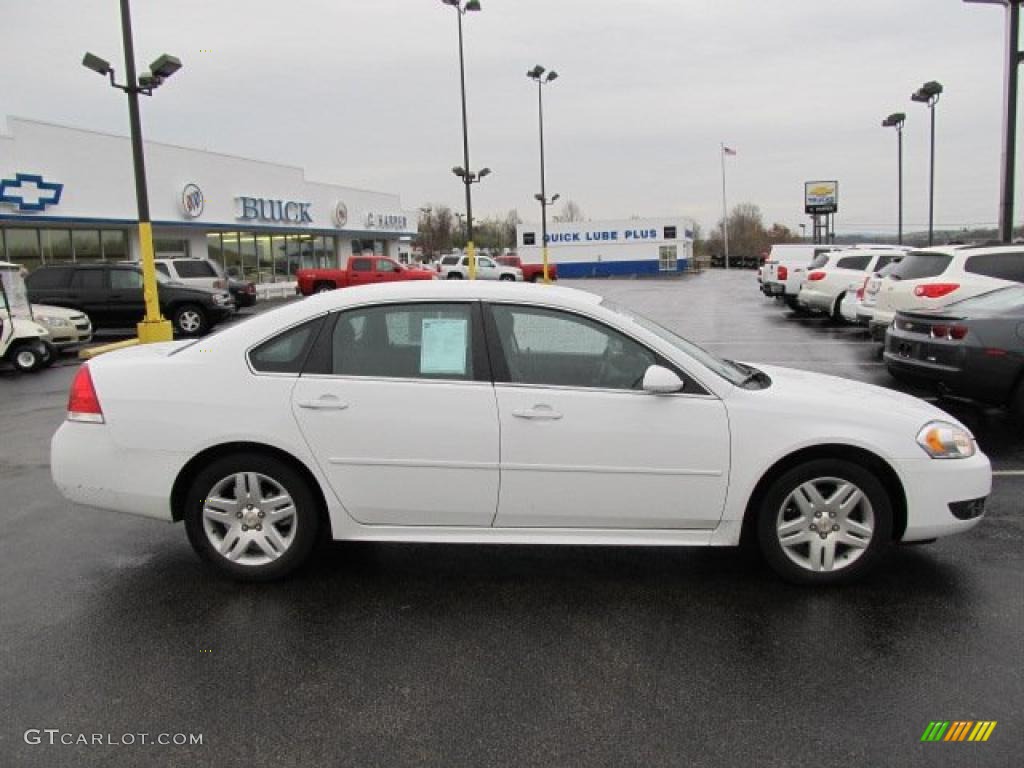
<point x="661" y="381"/>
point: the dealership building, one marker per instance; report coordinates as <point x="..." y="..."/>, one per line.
<point x="68" y="195"/>
<point x="627" y="247"/>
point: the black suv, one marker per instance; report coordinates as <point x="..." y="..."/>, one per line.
<point x="111" y="295"/>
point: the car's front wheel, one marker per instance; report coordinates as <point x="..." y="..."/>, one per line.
<point x="27" y="357"/>
<point x="190" y="320"/>
<point x="507" y="278"/>
<point x="454" y="276"/>
<point x="824" y="522"/>
<point x="251" y="516"/>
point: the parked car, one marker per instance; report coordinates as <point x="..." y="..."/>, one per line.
<point x="866" y="294"/>
<point x="111" y="295"/>
<point x="396" y="412"/>
<point x="531" y="272"/>
<point x="242" y="291"/>
<point x="195" y="273"/>
<point x="68" y="328"/>
<point x="360" y="270"/>
<point x="829" y="277"/>
<point x="783" y="271"/>
<point x="457" y="268"/>
<point x="972" y="348"/>
<point x="933" y="278"/>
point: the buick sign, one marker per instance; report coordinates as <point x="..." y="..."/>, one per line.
<point x="192" y="201"/>
<point x="341" y="214"/>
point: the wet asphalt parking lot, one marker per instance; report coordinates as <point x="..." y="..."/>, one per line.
<point x="473" y="656"/>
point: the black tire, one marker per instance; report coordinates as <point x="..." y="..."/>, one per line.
<point x="26" y="357"/>
<point x="536" y="278"/>
<point x="323" y="287"/>
<point x="50" y="354"/>
<point x="191" y="320"/>
<point x="837" y="314"/>
<point x="306" y="518"/>
<point x="506" y="278"/>
<point x="851" y="563"/>
<point x="454" y="276"/>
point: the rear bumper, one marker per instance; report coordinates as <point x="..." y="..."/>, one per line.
<point x="773" y="289"/>
<point x="933" y="485"/>
<point x="89" y="469"/>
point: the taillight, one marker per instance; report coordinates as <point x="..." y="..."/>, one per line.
<point x="949" y="332"/>
<point x="782" y="273"/>
<point x="935" y="290"/>
<point x="250" y="288"/>
<point x="83" y="404"/>
<point x="220" y="285"/>
<point x="816" y="276"/>
<point x="860" y="291"/>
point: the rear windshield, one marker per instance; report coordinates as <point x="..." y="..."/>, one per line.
<point x="450" y="260"/>
<point x="921" y="264"/>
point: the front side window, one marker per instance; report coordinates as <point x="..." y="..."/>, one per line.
<point x="162" y="269"/>
<point x="386" y="265"/>
<point x="406" y="341"/>
<point x="87" y="280"/>
<point x="485" y="262"/>
<point x="554" y="348"/>
<point x="125" y="279"/>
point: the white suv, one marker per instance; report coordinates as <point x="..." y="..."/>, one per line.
<point x="195" y="273"/>
<point x="829" y="277"/>
<point x="784" y="269"/>
<point x="935" y="277"/>
<point x="457" y="268"/>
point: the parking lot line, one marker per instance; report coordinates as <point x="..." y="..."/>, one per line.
<point x="1008" y="473"/>
<point x="774" y="343"/>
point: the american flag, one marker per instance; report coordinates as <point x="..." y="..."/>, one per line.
<point x="728" y="151"/>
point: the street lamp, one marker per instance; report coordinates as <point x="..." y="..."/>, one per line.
<point x="467" y="178"/>
<point x="1014" y="56"/>
<point x="153" y="326"/>
<point x="537" y="74"/>
<point x="896" y="120"/>
<point x="929" y="94"/>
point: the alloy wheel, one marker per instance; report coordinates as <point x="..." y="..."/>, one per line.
<point x="249" y="518"/>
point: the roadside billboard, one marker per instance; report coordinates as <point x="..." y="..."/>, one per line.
<point x="821" y="197"/>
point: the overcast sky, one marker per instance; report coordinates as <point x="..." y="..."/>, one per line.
<point x="365" y="93"/>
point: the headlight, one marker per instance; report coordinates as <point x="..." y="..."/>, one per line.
<point x="57" y="322"/>
<point x="942" y="440"/>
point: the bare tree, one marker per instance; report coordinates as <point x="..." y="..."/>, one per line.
<point x="569" y="211"/>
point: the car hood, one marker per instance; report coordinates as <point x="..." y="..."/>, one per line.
<point x="805" y="393"/>
<point x="52" y="311"/>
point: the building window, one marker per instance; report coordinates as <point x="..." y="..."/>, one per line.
<point x="529" y="238"/>
<point x="56" y="245"/>
<point x="232" y="256"/>
<point x="670" y="233"/>
<point x="170" y="248"/>
<point x="213" y="249"/>
<point x="668" y="259"/>
<point x="114" y="246"/>
<point x="86" y="244"/>
<point x="247" y="252"/>
<point x="265" y="259"/>
<point x="23" y="247"/>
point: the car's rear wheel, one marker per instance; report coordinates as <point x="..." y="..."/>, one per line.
<point x="837" y="312"/>
<point x="190" y="320"/>
<point x="27" y="358"/>
<point x="824" y="522"/>
<point x="323" y="287"/>
<point x="507" y="278"/>
<point x="252" y="517"/>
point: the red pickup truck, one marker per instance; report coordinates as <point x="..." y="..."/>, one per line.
<point x="361" y="270"/>
<point x="532" y="273"/>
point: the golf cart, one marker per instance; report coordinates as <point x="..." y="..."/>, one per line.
<point x="23" y="342"/>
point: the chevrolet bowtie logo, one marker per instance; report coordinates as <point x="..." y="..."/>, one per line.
<point x="29" y="192"/>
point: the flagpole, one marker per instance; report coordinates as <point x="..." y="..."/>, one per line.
<point x="725" y="212"/>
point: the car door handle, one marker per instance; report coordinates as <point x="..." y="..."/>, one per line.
<point x="538" y="413"/>
<point x="325" y="403"/>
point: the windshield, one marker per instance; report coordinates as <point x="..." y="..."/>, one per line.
<point x="15" y="293"/>
<point x="728" y="370"/>
<point x="1002" y="300"/>
<point x="920" y="264"/>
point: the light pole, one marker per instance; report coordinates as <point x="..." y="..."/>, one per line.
<point x="153" y="326"/>
<point x="896" y="120"/>
<point x="1014" y="56"/>
<point x="537" y="73"/>
<point x="803" y="231"/>
<point x="468" y="178"/>
<point x="929" y="94"/>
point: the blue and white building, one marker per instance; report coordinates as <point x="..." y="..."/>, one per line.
<point x="626" y="247"/>
<point x="68" y="194"/>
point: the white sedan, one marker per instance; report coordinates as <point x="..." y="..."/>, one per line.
<point x="473" y="412"/>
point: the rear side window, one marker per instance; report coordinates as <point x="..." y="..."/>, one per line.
<point x="884" y="261"/>
<point x="1005" y="266"/>
<point x="47" y="279"/>
<point x="194" y="268"/>
<point x="362" y="265"/>
<point x="125" y="279"/>
<point x="87" y="280"/>
<point x="286" y="352"/>
<point x="819" y="261"/>
<point x="921" y="264"/>
<point x="162" y="269"/>
<point x="450" y="260"/>
<point x="854" y="262"/>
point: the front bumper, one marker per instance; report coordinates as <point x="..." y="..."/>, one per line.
<point x="933" y="485"/>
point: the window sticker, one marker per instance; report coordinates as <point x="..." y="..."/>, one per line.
<point x="443" y="348"/>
